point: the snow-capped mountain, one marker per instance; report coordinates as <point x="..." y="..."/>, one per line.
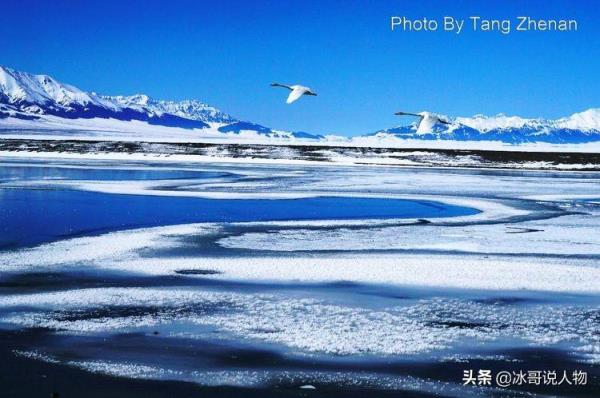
<point x="188" y="109"/>
<point x="44" y="106"/>
<point x="578" y="128"/>
<point x="28" y="97"/>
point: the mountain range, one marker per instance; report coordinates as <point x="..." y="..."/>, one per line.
<point x="578" y="128"/>
<point x="25" y="96"/>
<point x="41" y="103"/>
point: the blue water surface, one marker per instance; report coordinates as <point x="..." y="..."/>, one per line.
<point x="33" y="216"/>
<point x="30" y="216"/>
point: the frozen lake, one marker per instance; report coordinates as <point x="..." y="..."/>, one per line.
<point x="32" y="216"/>
<point x="369" y="280"/>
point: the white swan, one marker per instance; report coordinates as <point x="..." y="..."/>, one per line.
<point x="297" y="91"/>
<point x="428" y="120"/>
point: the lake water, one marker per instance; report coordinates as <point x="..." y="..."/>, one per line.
<point x="36" y="215"/>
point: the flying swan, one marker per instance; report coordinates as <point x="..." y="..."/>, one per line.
<point x="297" y="91"/>
<point x="428" y="120"/>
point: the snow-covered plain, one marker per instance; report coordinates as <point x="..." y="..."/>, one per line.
<point x="522" y="274"/>
<point x="50" y="127"/>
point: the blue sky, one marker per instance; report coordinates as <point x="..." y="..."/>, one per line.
<point x="226" y="52"/>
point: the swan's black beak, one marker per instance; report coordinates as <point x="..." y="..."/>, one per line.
<point x="311" y="93"/>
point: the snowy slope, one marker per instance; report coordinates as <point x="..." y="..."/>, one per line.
<point x="39" y="102"/>
<point x="28" y="96"/>
<point x="188" y="109"/>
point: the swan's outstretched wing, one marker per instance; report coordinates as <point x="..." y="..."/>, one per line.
<point x="408" y="113"/>
<point x="295" y="94"/>
<point x="281" y="85"/>
<point x="426" y="122"/>
<point x="423" y="125"/>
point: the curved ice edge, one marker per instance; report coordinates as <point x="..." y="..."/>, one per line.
<point x="119" y="251"/>
<point x="489" y="209"/>
<point x="430" y="271"/>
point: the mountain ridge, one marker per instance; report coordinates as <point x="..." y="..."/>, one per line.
<point x="25" y="97"/>
<point x="581" y="127"/>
